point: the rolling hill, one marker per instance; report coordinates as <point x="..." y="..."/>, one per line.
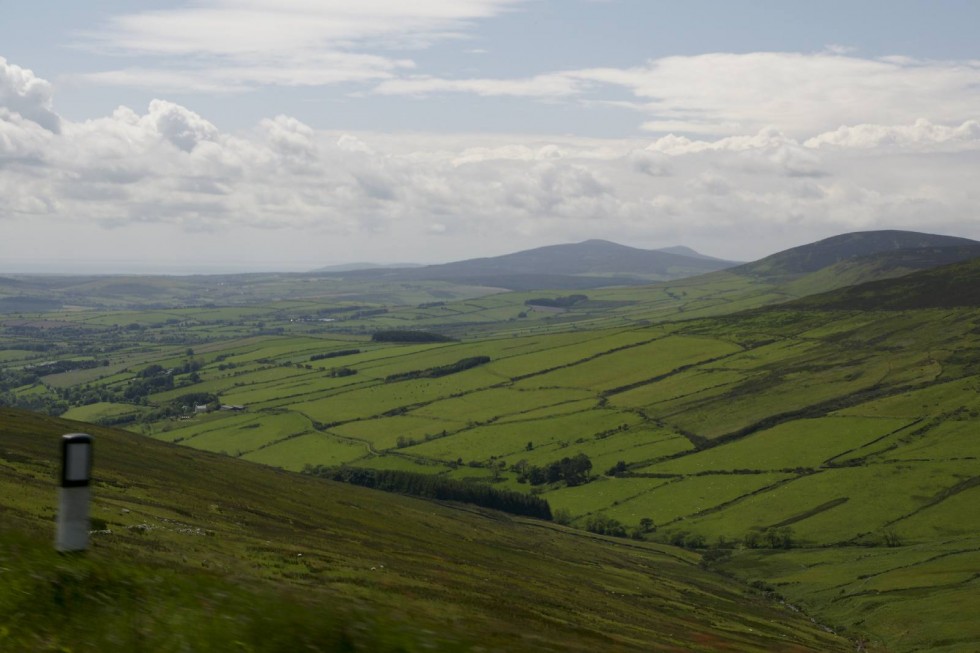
<point x="952" y="286"/>
<point x="797" y="261"/>
<point x="821" y="449"/>
<point x="592" y="264"/>
<point x="589" y="264"/>
<point x="597" y="266"/>
<point x="194" y="551"/>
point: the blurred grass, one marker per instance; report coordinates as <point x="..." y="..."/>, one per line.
<point x="195" y="547"/>
<point x="80" y="603"/>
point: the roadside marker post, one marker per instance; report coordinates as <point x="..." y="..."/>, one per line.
<point x="74" y="493"/>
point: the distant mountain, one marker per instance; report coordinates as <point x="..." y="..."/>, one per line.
<point x="350" y="267"/>
<point x="589" y="264"/>
<point x="806" y="259"/>
<point x="687" y="251"/>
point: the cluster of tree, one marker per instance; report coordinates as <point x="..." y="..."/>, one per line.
<point x="687" y="540"/>
<point x="28" y="346"/>
<point x="401" y="442"/>
<point x="16" y="378"/>
<point x="334" y="354"/>
<point x="156" y="378"/>
<point x="431" y="304"/>
<point x="605" y="525"/>
<point x="334" y="310"/>
<point x="87" y="394"/>
<point x="771" y="538"/>
<point x="118" y="420"/>
<point x="405" y="335"/>
<point x="11" y="379"/>
<point x="189" y="366"/>
<point x="572" y="470"/>
<point x="371" y="312"/>
<point x="192" y="399"/>
<point x="148" y="381"/>
<point x="618" y="469"/>
<point x="442" y="370"/>
<point x="46" y="403"/>
<point x="557" y="302"/>
<point x="57" y="367"/>
<point x="435" y="487"/>
<point x="337" y="372"/>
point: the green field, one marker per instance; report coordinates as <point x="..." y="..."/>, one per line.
<point x="196" y="550"/>
<point x="750" y="436"/>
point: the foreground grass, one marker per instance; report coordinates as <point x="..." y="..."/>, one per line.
<point x="200" y="539"/>
<point x="79" y="603"/>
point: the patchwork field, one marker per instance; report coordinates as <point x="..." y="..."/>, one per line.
<point x="753" y="437"/>
<point x="190" y="541"/>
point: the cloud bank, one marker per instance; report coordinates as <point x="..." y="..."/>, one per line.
<point x="235" y="45"/>
<point x="172" y="184"/>
<point x="725" y="94"/>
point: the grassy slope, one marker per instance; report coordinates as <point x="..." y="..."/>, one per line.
<point x="945" y="287"/>
<point x="196" y="534"/>
<point x="796" y="420"/>
<point x="789" y="418"/>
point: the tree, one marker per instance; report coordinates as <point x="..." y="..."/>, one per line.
<point x="617" y="469"/>
<point x="575" y="470"/>
<point x="605" y="525"/>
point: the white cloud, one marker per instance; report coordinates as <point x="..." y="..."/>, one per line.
<point x="650" y="162"/>
<point x="921" y="134"/>
<point x="837" y="48"/>
<point x="21" y="139"/>
<point x="727" y="94"/>
<point x="24" y="93"/>
<point x="766" y="138"/>
<point x="313" y="69"/>
<point x="799" y="94"/>
<point x="232" y="45"/>
<point x="284" y="189"/>
<point x="541" y="86"/>
<point x="179" y="126"/>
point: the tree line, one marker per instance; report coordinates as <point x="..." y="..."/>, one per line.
<point x="572" y="470"/>
<point x="442" y="370"/>
<point x="405" y="335"/>
<point x="557" y="302"/>
<point x="436" y="487"/>
<point x="334" y="354"/>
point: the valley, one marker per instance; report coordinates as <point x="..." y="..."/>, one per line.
<point x="805" y="424"/>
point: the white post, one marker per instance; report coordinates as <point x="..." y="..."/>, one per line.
<point x="74" y="493"/>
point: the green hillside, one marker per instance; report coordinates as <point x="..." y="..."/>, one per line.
<point x="194" y="551"/>
<point x="822" y="449"/>
<point x="951" y="286"/>
<point x="831" y="251"/>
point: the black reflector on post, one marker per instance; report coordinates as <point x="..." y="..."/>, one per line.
<point x="76" y="460"/>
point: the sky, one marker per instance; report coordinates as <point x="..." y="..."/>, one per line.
<point x="285" y="135"/>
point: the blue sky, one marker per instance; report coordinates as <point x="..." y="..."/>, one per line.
<point x="251" y="134"/>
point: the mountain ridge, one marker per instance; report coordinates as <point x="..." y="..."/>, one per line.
<point x="812" y="257"/>
<point x="590" y="263"/>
